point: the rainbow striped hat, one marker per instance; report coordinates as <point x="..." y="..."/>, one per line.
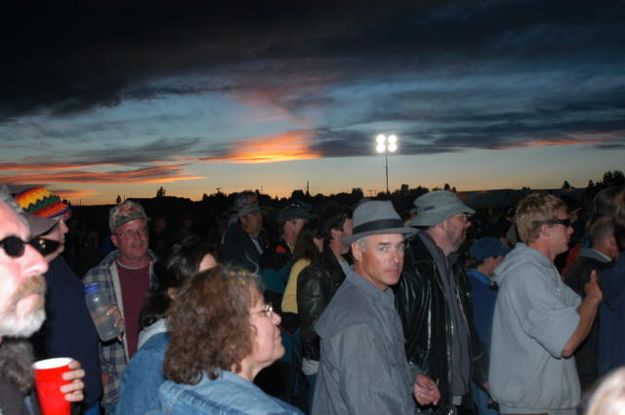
<point x="40" y="202"/>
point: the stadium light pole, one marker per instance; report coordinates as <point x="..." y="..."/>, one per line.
<point x="386" y="144"/>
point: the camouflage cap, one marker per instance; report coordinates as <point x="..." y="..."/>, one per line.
<point x="124" y="213"/>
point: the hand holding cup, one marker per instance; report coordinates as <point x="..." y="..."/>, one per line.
<point x="58" y="382"/>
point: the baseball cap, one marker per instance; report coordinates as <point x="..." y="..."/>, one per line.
<point x="124" y="213"/>
<point x="292" y="211"/>
<point x="487" y="247"/>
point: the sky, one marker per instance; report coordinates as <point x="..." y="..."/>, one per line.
<point x="123" y="97"/>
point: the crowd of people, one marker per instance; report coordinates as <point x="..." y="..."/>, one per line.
<point x="331" y="309"/>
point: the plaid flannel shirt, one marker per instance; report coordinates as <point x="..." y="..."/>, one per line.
<point x="113" y="354"/>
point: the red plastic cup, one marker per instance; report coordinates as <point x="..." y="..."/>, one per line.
<point x="48" y="382"/>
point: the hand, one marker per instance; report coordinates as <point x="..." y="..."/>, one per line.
<point x="592" y="288"/>
<point x="74" y="390"/>
<point x="492" y="403"/>
<point x="117" y="316"/>
<point x="426" y="390"/>
<point x="118" y="319"/>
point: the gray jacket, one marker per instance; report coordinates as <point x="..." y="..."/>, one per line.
<point x="535" y="315"/>
<point x="363" y="367"/>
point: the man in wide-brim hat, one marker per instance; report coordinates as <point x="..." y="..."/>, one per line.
<point x="434" y="302"/>
<point x="363" y="367"/>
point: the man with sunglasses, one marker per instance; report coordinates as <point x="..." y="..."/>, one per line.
<point x="68" y="330"/>
<point x="22" y="290"/>
<point x="539" y="321"/>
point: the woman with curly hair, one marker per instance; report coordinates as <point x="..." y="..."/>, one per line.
<point x="222" y="335"/>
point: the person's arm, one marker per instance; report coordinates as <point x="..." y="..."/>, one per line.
<point x="364" y="357"/>
<point x="587" y="311"/>
<point x="311" y="302"/>
<point x="143" y="376"/>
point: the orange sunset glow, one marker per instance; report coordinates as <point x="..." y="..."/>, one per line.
<point x="289" y="146"/>
<point x="157" y="174"/>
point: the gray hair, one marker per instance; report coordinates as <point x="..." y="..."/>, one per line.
<point x="362" y="243"/>
<point x="609" y="396"/>
<point x="6" y="198"/>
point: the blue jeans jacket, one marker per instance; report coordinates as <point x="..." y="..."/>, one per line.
<point x="143" y="376"/>
<point x="229" y="394"/>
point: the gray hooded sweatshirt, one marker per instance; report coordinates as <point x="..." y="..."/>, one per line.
<point x="535" y="315"/>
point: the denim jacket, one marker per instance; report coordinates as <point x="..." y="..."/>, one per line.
<point x="143" y="376"/>
<point x="229" y="394"/>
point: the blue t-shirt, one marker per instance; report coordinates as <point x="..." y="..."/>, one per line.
<point x="484" y="296"/>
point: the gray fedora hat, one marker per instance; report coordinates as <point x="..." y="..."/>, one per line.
<point x="436" y="206"/>
<point x="375" y="217"/>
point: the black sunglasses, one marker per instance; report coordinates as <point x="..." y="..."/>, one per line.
<point x="565" y="222"/>
<point x="44" y="246"/>
<point x="15" y="247"/>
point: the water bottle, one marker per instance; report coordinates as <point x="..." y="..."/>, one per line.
<point x="98" y="308"/>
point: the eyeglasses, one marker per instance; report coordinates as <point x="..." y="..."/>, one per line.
<point x="132" y="234"/>
<point x="564" y="222"/>
<point x="15" y="247"/>
<point x="267" y="309"/>
<point x="465" y="217"/>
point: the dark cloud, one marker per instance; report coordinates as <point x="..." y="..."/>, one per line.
<point x="157" y="151"/>
<point x="460" y="75"/>
<point x="110" y="154"/>
<point x="70" y="57"/>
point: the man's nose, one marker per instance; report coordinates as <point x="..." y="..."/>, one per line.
<point x="396" y="255"/>
<point x="35" y="262"/>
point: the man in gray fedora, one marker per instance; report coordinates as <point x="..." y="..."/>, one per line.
<point x="363" y="367"/>
<point x="434" y="301"/>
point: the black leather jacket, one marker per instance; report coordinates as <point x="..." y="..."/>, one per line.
<point x="316" y="286"/>
<point x="427" y="321"/>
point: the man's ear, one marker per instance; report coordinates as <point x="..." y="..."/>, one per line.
<point x="114" y="240"/>
<point x="356" y="251"/>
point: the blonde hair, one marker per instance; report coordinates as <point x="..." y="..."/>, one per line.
<point x="609" y="397"/>
<point x="533" y="211"/>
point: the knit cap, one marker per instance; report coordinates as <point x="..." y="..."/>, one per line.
<point x="40" y="202"/>
<point x="41" y="209"/>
